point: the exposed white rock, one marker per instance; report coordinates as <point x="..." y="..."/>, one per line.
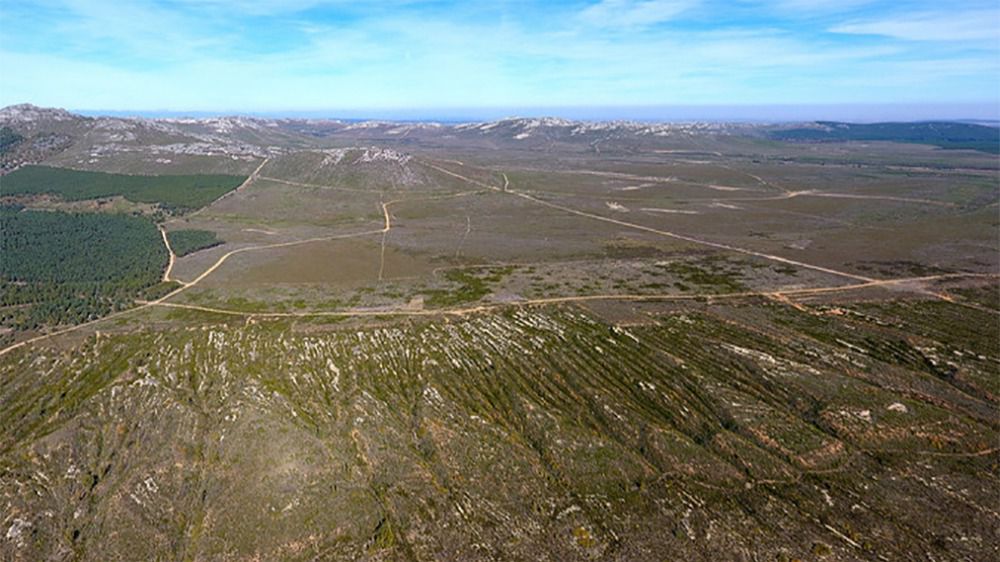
<point x="27" y="113"/>
<point x="377" y="154"/>
<point x="16" y="531"/>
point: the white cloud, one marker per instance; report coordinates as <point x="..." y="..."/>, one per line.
<point x="279" y="7"/>
<point x="821" y="6"/>
<point x="446" y="68"/>
<point x="634" y="13"/>
<point x="121" y="58"/>
<point x="135" y="30"/>
<point x="972" y="25"/>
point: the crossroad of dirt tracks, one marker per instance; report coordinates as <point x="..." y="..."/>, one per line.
<point x="860" y="281"/>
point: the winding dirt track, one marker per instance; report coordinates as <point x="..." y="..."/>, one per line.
<point x="862" y="282"/>
<point x="684" y="237"/>
<point x="783" y="195"/>
<point x="388" y="219"/>
<point x="387" y="226"/>
<point x="231" y="253"/>
<point x="832" y="195"/>
<point x="170" y="253"/>
<point x="574" y="299"/>
<point x="183" y="286"/>
<point x="254" y="175"/>
<point x="300" y="184"/>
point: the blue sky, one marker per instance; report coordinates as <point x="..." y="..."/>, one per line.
<point x="312" y="55"/>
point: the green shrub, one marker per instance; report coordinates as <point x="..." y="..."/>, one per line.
<point x="184" y="242"/>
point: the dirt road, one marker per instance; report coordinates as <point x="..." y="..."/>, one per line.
<point x="254" y="175"/>
<point x="463" y="311"/>
<point x="863" y="282"/>
<point x="684" y="237"/>
<point x="170" y="253"/>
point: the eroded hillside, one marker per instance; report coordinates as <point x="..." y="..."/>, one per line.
<point x="742" y="432"/>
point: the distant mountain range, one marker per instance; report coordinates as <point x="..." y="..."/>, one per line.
<point x="950" y="135"/>
<point x="31" y="134"/>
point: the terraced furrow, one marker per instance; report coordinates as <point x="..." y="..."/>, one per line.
<point x="541" y="433"/>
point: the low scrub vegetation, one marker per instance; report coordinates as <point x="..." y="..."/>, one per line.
<point x="561" y="436"/>
<point x="8" y="139"/>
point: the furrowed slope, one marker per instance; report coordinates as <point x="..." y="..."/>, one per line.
<point x="707" y="433"/>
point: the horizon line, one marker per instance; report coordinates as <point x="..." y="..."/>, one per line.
<point x="988" y="111"/>
<point x="984" y="111"/>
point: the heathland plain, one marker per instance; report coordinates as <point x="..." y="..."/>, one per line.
<point x="531" y="339"/>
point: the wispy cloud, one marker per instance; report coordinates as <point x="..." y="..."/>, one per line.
<point x="817" y="6"/>
<point x="312" y="54"/>
<point x="634" y="13"/>
<point x="931" y="26"/>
